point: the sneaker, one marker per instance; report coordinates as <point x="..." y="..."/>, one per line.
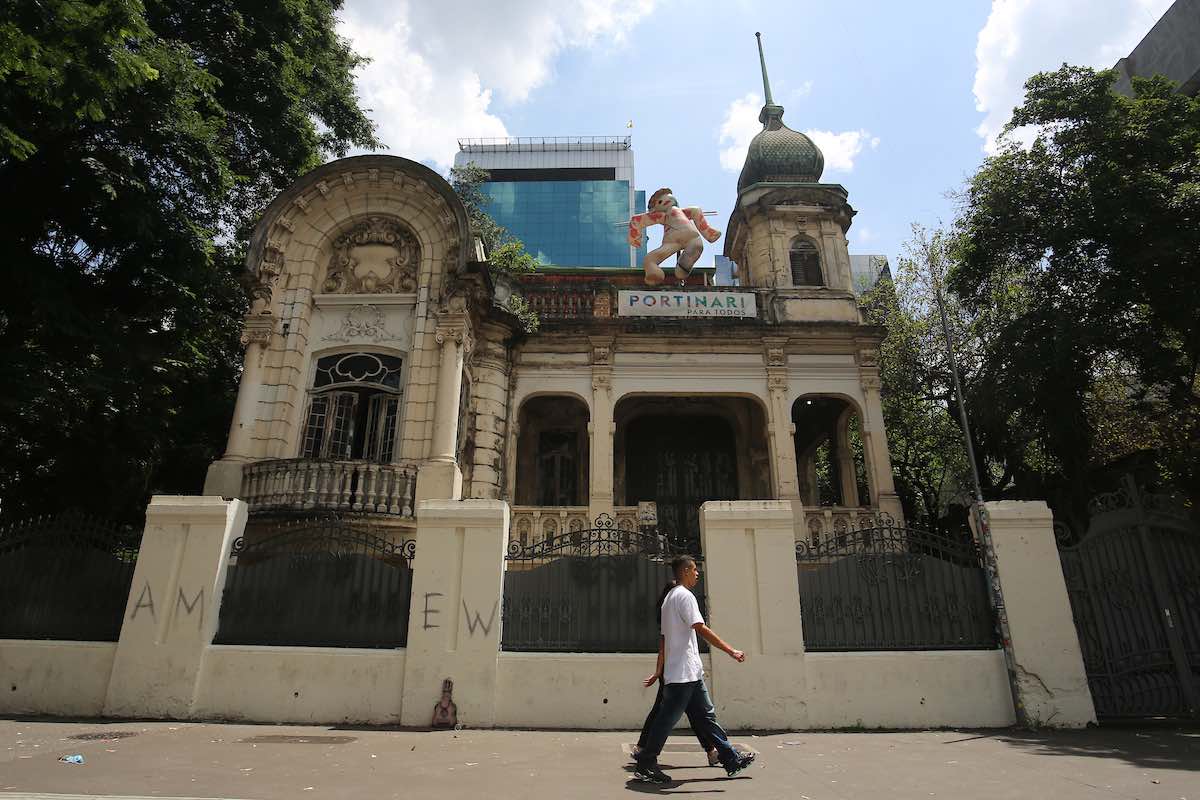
<point x="650" y="775"/>
<point x="739" y="765"/>
<point x="714" y="758"/>
<point x="634" y="752"/>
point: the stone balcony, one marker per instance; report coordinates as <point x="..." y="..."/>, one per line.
<point x="304" y="484"/>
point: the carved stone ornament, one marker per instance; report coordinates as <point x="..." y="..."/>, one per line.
<point x="776" y="357"/>
<point x="363" y="322"/>
<point x="777" y="382"/>
<point x="257" y="329"/>
<point x="455" y="334"/>
<point x="868" y="357"/>
<point x="601" y="355"/>
<point x="870" y="382"/>
<point x="377" y="256"/>
<point x="601" y="382"/>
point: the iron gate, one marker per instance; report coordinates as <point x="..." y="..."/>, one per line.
<point x="889" y="587"/>
<point x="323" y="582"/>
<point x="1134" y="584"/>
<point x="65" y="576"/>
<point x="588" y="591"/>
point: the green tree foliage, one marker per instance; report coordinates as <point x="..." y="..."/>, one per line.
<point x="467" y="182"/>
<point x="138" y="142"/>
<point x="1083" y="251"/>
<point x="919" y="407"/>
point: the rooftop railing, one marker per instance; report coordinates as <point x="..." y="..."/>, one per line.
<point x="532" y="144"/>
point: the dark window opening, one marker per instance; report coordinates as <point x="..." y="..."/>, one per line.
<point x="806" y="264"/>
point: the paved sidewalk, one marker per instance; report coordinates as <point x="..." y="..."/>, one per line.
<point x="264" y="762"/>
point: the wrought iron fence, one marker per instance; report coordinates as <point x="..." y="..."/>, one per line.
<point x="588" y="591"/>
<point x="325" y="582"/>
<point x="65" y="576"/>
<point x="887" y="587"/>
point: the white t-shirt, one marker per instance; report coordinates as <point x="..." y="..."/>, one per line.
<point x="679" y="613"/>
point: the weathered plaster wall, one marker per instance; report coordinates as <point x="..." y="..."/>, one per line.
<point x="575" y="690"/>
<point x="908" y="689"/>
<point x="54" y="677"/>
<point x="309" y="685"/>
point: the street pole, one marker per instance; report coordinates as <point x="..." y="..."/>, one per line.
<point x="981" y="517"/>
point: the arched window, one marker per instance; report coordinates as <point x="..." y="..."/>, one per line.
<point x="806" y="263"/>
<point x="354" y="408"/>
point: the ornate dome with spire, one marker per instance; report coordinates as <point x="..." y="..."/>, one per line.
<point x="779" y="154"/>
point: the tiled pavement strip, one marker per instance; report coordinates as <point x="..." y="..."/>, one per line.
<point x="261" y="762"/>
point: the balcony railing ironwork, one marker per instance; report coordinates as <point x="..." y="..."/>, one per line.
<point x="304" y="484"/>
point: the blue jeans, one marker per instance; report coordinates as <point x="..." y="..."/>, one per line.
<point x="693" y="699"/>
<point x="694" y="722"/>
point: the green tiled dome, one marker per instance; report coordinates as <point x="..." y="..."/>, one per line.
<point x="780" y="154"/>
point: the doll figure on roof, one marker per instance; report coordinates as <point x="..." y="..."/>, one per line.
<point x="682" y="232"/>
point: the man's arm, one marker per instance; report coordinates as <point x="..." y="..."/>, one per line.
<point x="658" y="668"/>
<point x="716" y="641"/>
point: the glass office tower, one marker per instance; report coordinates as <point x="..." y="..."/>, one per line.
<point x="566" y="198"/>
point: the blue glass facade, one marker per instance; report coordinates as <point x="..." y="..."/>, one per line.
<point x="567" y="223"/>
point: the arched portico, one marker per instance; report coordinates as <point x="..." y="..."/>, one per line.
<point x="679" y="452"/>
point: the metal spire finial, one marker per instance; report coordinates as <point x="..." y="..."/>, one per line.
<point x="763" y="61"/>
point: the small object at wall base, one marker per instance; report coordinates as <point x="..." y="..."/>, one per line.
<point x="445" y="713"/>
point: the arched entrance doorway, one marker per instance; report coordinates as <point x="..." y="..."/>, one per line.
<point x="682" y="452"/>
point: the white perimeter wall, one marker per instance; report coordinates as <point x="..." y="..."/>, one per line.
<point x="54" y="677"/>
<point x="166" y="666"/>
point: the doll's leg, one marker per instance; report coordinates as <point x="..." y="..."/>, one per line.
<point x="688" y="258"/>
<point x="654" y="273"/>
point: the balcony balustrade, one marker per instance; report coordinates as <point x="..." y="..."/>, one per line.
<point x="304" y="484"/>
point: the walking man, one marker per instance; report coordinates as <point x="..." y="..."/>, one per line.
<point x="683" y="678"/>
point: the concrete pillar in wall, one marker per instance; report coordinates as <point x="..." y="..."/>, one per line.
<point x="224" y="477"/>
<point x="171" y="615"/>
<point x="440" y="476"/>
<point x="754" y="604"/>
<point x="454" y="621"/>
<point x="1050" y="674"/>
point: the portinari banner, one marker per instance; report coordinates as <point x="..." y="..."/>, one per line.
<point x="685" y="304"/>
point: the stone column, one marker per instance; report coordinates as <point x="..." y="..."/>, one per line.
<point x="224" y="477"/>
<point x="491" y="372"/>
<point x="754" y="604"/>
<point x="601" y="429"/>
<point x="454" y="624"/>
<point x="874" y="434"/>
<point x="1051" y="678"/>
<point x="847" y="478"/>
<point x="440" y="476"/>
<point x="173" y="606"/>
<point x="782" y="430"/>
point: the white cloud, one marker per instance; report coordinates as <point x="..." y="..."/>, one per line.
<point x="862" y="234"/>
<point x="1022" y="37"/>
<point x="738" y="128"/>
<point x="741" y="124"/>
<point x="804" y="90"/>
<point x="840" y="149"/>
<point x="435" y="66"/>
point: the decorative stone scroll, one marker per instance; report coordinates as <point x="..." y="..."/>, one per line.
<point x="379" y="255"/>
<point x="363" y="322"/>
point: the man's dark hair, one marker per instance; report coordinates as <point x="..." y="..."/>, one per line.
<point x="679" y="564"/>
